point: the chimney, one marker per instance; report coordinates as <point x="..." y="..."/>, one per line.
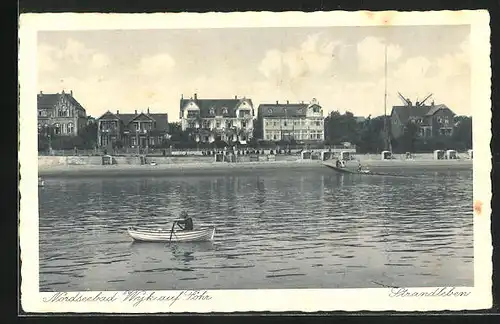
<point x="71" y="92"/>
<point x="276" y="101"/>
<point x="117" y="112"/>
<point x="62" y="92"/>
<point x="195" y="96"/>
<point x="287" y="102"/>
<point x="148" y="110"/>
<point x="235" y="97"/>
<point x="182" y="96"/>
<point x="136" y="111"/>
<point x="41" y="92"/>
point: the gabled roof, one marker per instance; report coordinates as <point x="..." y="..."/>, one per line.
<point x="108" y="115"/>
<point x="405" y="112"/>
<point x="49" y="100"/>
<point x="216" y="105"/>
<point x="141" y="117"/>
<point x="435" y="108"/>
<point x="46" y="101"/>
<point x="160" y="119"/>
<point x="126" y="118"/>
<point x="283" y="110"/>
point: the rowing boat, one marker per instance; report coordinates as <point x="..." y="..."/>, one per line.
<point x="144" y="234"/>
<point x="345" y="170"/>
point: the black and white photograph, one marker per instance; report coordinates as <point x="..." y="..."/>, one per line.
<point x="178" y="162"/>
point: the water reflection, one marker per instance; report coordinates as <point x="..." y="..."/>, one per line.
<point x="286" y="229"/>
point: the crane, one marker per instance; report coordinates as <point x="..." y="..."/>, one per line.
<point x="423" y="101"/>
<point x="407" y="102"/>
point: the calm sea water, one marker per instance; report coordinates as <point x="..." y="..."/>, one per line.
<point x="279" y="229"/>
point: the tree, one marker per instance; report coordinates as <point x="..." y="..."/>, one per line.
<point x="462" y="134"/>
<point x="407" y="141"/>
<point x="88" y="136"/>
<point x="372" y="135"/>
<point x="341" y="128"/>
<point x="257" y="129"/>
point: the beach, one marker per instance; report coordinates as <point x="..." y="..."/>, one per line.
<point x="202" y="168"/>
<point x="222" y="168"/>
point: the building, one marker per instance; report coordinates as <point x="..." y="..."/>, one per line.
<point x="302" y="122"/>
<point x="60" y="114"/>
<point x="131" y="130"/>
<point x="432" y="120"/>
<point x="209" y="120"/>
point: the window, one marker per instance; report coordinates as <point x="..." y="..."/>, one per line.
<point x="299" y="110"/>
<point x="192" y="113"/>
<point x="136" y="126"/>
<point x="217" y="124"/>
<point x="268" y="137"/>
<point x="243" y="124"/>
<point x="267" y="123"/>
<point x="134" y="141"/>
<point x="206" y="124"/>
<point x="151" y="141"/>
<point x="71" y="129"/>
<point x="212" y="111"/>
<point x="316" y="109"/>
<point x="224" y="110"/>
<point x="57" y="129"/>
<point x="318" y="123"/>
<point x="275" y="137"/>
<point x="274" y="123"/>
<point x="284" y="123"/>
<point x="270" y="110"/>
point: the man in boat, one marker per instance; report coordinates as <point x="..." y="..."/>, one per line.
<point x="186" y="224"/>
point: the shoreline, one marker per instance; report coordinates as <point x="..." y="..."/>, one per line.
<point x="196" y="169"/>
<point x="224" y="168"/>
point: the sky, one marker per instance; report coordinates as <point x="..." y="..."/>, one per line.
<point x="343" y="67"/>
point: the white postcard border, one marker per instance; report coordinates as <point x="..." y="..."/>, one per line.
<point x="307" y="300"/>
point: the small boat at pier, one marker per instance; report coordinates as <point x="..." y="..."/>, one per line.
<point x="144" y="234"/>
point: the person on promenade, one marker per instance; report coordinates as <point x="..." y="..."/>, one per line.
<point x="186" y="224"/>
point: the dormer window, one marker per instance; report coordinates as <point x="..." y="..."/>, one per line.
<point x="212" y="111"/>
<point x="224" y="110"/>
<point x="270" y="110"/>
<point x="299" y="110"/>
<point x="316" y="109"/>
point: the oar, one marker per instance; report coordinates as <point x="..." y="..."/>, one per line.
<point x="172" y="231"/>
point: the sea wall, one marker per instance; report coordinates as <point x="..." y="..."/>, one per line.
<point x="45" y="162"/>
<point x="197" y="169"/>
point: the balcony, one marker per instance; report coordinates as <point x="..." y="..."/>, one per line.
<point x="109" y="131"/>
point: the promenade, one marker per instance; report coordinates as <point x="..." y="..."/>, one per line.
<point x="88" y="166"/>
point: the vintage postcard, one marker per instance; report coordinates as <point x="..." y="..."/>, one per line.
<point x="259" y="161"/>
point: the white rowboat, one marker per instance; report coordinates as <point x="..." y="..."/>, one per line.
<point x="143" y="234"/>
